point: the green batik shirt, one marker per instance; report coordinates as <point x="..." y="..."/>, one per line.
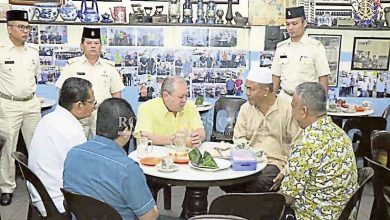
<point x="321" y="171"/>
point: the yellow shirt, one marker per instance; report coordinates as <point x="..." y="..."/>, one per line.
<point x="298" y="62"/>
<point x="154" y="117"/>
<point x="103" y="76"/>
<point x="272" y="133"/>
<point x="18" y="68"/>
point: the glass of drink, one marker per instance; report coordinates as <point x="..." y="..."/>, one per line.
<point x="180" y="140"/>
<point x="144" y="147"/>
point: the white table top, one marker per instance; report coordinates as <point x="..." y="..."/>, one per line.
<point x="47" y="102"/>
<point x="351" y="114"/>
<point x="205" y="107"/>
<point x="185" y="172"/>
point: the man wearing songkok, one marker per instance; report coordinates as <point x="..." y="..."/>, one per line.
<point x="20" y="108"/>
<point x="298" y="59"/>
<point x="56" y="133"/>
<point x="321" y="171"/>
<point x="160" y="118"/>
<point x="101" y="169"/>
<point x="266" y="123"/>
<point x="105" y="79"/>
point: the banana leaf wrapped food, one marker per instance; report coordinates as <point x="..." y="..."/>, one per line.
<point x="205" y="161"/>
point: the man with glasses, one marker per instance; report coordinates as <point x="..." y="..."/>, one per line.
<point x="105" y="79"/>
<point x="55" y="135"/>
<point x="20" y="109"/>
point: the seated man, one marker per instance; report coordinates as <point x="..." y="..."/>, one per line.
<point x="101" y="169"/>
<point x="321" y="168"/>
<point x="266" y="123"/>
<point x="56" y="133"/>
<point x="160" y="118"/>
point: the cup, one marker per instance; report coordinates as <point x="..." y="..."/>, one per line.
<point x="180" y="140"/>
<point x="144" y="147"/>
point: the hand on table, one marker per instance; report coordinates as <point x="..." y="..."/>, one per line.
<point x="195" y="139"/>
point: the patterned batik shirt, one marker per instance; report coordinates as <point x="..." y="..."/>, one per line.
<point x="321" y="172"/>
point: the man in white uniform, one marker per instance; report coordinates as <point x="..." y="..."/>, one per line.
<point x="105" y="79"/>
<point x="298" y="59"/>
<point x="20" y="109"/>
<point x="55" y="135"/>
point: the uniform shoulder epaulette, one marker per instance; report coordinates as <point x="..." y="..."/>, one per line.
<point x="282" y="43"/>
<point x="33" y="46"/>
<point x="72" y="60"/>
<point x="314" y="41"/>
<point x="109" y="62"/>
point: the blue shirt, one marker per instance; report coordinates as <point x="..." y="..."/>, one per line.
<point x="101" y="169"/>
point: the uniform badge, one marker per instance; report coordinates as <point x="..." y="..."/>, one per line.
<point x="9" y="62"/>
<point x="92" y="33"/>
<point x="80" y="73"/>
<point x="25" y="15"/>
<point x="289" y="13"/>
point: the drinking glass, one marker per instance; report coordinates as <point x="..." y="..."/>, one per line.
<point x="180" y="140"/>
<point x="144" y="147"/>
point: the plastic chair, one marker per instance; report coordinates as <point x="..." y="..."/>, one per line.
<point x="28" y="175"/>
<point x="381" y="180"/>
<point x="365" y="174"/>
<point x="380" y="142"/>
<point x="88" y="208"/>
<point x="366" y="125"/>
<point x="252" y="206"/>
<point x="216" y="217"/>
<point x="232" y="106"/>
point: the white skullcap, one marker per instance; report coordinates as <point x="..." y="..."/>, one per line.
<point x="260" y="75"/>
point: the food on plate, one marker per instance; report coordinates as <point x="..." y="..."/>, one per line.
<point x="150" y="161"/>
<point x="359" y="108"/>
<point x="242" y="145"/>
<point x="205" y="161"/>
<point x="180" y="157"/>
<point x="199" y="100"/>
<point x="344" y="105"/>
<point x="167" y="164"/>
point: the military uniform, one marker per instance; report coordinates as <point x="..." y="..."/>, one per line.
<point x="298" y="62"/>
<point x="104" y="77"/>
<point x="19" y="107"/>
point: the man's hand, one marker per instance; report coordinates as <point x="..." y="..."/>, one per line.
<point x="277" y="182"/>
<point x="195" y="139"/>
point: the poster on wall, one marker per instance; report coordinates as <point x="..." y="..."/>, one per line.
<point x="332" y="44"/>
<point x="122" y="36"/>
<point x="53" y="34"/>
<point x="223" y="38"/>
<point x="268" y="12"/>
<point x="33" y="35"/>
<point x="195" y="37"/>
<point x="371" y="54"/>
<point x="150" y="37"/>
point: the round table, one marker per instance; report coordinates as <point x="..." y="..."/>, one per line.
<point x="338" y="117"/>
<point x="196" y="181"/>
<point x="47" y="103"/>
<point x="205" y="107"/>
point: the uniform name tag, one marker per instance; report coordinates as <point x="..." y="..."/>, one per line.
<point x="283" y="56"/>
<point x="9" y="62"/>
<point x="80" y="73"/>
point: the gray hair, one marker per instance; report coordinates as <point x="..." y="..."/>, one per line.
<point x="170" y="82"/>
<point x="313" y="96"/>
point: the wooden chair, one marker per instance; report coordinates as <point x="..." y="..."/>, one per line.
<point x="365" y="175"/>
<point x="232" y="106"/>
<point x="381" y="180"/>
<point x="252" y="206"/>
<point x="380" y="143"/>
<point x="51" y="210"/>
<point x="216" y="217"/>
<point x="366" y="125"/>
<point x="88" y="208"/>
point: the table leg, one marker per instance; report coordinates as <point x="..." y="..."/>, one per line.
<point x="195" y="201"/>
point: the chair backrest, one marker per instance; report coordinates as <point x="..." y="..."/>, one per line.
<point x="232" y="106"/>
<point x="386" y="113"/>
<point x="386" y="192"/>
<point x="2" y="142"/>
<point x="28" y="175"/>
<point x="86" y="207"/>
<point x="381" y="179"/>
<point x="366" y="125"/>
<point x="365" y="174"/>
<point x="252" y="206"/>
<point x="216" y="217"/>
<point x="380" y="142"/>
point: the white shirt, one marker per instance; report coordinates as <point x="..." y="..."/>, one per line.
<point x="55" y="135"/>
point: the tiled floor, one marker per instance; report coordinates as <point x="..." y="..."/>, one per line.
<point x="18" y="209"/>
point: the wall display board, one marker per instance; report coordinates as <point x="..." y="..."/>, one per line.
<point x="371" y="54"/>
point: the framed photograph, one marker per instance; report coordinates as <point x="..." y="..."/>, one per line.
<point x="333" y="2"/>
<point x="370" y="53"/>
<point x="332" y="44"/>
<point x="217" y="1"/>
<point x="31" y="2"/>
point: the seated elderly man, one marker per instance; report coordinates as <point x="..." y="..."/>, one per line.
<point x="101" y="169"/>
<point x="56" y="133"/>
<point x="266" y="123"/>
<point x="160" y="118"/>
<point x="321" y="169"/>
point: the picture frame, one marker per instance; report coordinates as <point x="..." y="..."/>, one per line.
<point x="334" y="2"/>
<point x="370" y="53"/>
<point x="332" y="44"/>
<point x="32" y="2"/>
<point x="192" y="1"/>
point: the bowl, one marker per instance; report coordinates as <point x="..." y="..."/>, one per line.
<point x="46" y="11"/>
<point x="241" y="21"/>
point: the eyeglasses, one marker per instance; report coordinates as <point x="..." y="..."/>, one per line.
<point x="92" y="102"/>
<point x="22" y="27"/>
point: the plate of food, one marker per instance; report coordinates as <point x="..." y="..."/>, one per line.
<point x="166" y="166"/>
<point x="260" y="156"/>
<point x="206" y="162"/>
<point x="180" y="157"/>
<point x="150" y="161"/>
<point x="221" y="164"/>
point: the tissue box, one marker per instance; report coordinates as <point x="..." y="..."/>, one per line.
<point x="243" y="160"/>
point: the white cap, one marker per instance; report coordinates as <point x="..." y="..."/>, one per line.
<point x="260" y="75"/>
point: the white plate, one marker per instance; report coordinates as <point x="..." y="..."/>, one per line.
<point x="221" y="163"/>
<point x="262" y="159"/>
<point x="165" y="170"/>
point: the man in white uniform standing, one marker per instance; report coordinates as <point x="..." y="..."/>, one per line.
<point x="298" y="59"/>
<point x="20" y="109"/>
<point x="55" y="135"/>
<point x="105" y="79"/>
